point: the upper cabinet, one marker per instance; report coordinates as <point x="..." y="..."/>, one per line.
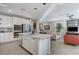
<point x="5" y="21"/>
<point x="20" y="21"/>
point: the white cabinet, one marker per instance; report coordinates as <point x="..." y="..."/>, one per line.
<point x="19" y="21"/>
<point x="24" y="42"/>
<point x="6" y="37"/>
<point x="31" y="44"/>
<point x="34" y="46"/>
<point x="28" y="43"/>
<point x="37" y="46"/>
<point x="20" y="39"/>
<point x="44" y="46"/>
<point x="5" y="21"/>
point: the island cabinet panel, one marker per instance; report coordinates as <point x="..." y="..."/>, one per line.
<point x="35" y="45"/>
<point x="43" y="46"/>
<point x="26" y="43"/>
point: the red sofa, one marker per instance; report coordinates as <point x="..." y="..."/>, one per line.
<point x="71" y="39"/>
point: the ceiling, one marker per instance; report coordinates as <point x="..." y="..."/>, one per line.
<point x="60" y="12"/>
<point x="47" y="12"/>
<point x="33" y="10"/>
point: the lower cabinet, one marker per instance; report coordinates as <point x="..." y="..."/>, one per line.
<point x="20" y="40"/>
<point x="28" y="43"/>
<point x="31" y="44"/>
<point x="23" y="42"/>
<point x="36" y="46"/>
<point x="6" y="37"/>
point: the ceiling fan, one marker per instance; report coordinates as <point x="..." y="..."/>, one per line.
<point x="70" y="16"/>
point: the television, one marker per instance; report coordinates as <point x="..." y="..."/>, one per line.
<point x="72" y="29"/>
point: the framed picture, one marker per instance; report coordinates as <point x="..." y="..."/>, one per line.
<point x="47" y="27"/>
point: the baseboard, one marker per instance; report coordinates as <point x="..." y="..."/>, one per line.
<point x="26" y="50"/>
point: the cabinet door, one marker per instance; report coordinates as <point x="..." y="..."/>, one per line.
<point x="34" y="48"/>
<point x="2" y="38"/>
<point x="29" y="44"/>
<point x="6" y="37"/>
<point x="24" y="42"/>
<point x="20" y="40"/>
<point x="44" y="46"/>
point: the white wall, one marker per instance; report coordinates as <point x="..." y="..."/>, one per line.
<point x="53" y="25"/>
<point x="53" y="28"/>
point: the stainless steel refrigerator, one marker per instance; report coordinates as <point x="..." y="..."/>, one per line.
<point x="27" y="28"/>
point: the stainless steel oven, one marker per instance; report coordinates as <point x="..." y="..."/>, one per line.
<point x="17" y="30"/>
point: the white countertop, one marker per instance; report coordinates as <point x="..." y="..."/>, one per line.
<point x="37" y="35"/>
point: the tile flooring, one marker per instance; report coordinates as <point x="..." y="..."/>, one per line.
<point x="58" y="48"/>
<point x="12" y="48"/>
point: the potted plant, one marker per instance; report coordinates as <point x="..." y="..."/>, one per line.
<point x="59" y="27"/>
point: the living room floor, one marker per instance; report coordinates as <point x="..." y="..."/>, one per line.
<point x="58" y="48"/>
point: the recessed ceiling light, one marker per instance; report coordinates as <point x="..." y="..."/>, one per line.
<point x="35" y="8"/>
<point x="10" y="10"/>
<point x="44" y="3"/>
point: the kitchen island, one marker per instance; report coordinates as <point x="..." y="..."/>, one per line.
<point x="37" y="44"/>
